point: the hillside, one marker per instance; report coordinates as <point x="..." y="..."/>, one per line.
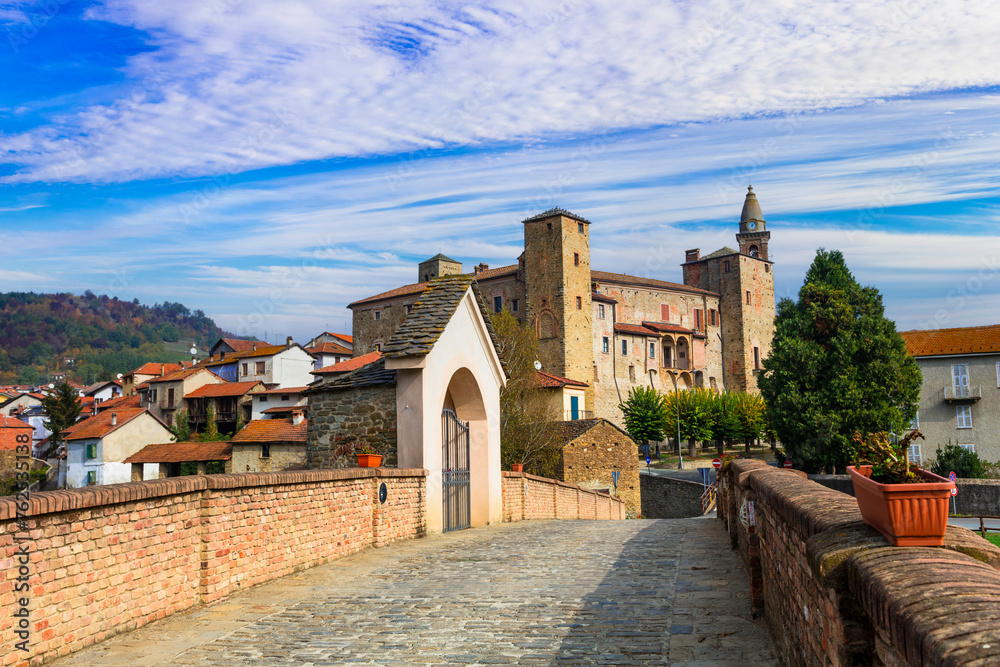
<point x="92" y="337"/>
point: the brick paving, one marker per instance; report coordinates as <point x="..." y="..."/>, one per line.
<point x="530" y="593"/>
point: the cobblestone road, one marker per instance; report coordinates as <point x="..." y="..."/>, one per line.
<point x="532" y="593"/>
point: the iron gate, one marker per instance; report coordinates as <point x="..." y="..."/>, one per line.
<point x="455" y="472"/>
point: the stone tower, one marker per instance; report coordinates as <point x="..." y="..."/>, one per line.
<point x="557" y="294"/>
<point x="753" y="236"/>
<point x="439" y="265"/>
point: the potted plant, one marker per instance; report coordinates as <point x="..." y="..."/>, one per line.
<point x="517" y="467"/>
<point x="908" y="505"/>
<point x="368" y="457"/>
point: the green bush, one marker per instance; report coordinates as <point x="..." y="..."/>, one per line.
<point x="960" y="461"/>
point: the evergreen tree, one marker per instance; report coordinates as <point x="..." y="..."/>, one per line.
<point x="645" y="413"/>
<point x="181" y="428"/>
<point x="62" y="408"/>
<point x="837" y="366"/>
<point x="725" y="420"/>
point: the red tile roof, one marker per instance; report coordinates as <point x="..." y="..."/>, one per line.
<point x="119" y="403"/>
<point x="10" y="422"/>
<point x="499" y="272"/>
<point x="224" y="389"/>
<point x="286" y="409"/>
<point x="100" y="425"/>
<point x="260" y="352"/>
<point x="348" y="338"/>
<point x="182" y="452"/>
<point x="663" y="327"/>
<point x="271" y="430"/>
<point x="550" y="381"/>
<point x="964" y="340"/>
<point x="328" y="348"/>
<point x="240" y="345"/>
<point x="626" y="279"/>
<point x="634" y="329"/>
<point x="155" y="368"/>
<point x="405" y="290"/>
<point x="179" y="375"/>
<point x="350" y="364"/>
<point x="286" y="390"/>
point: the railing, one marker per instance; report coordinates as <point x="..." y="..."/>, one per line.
<point x="573" y="415"/>
<point x="963" y="393"/>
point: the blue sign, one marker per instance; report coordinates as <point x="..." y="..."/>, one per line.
<point x="952" y="476"/>
<point x="647" y="459"/>
<point x="614" y="476"/>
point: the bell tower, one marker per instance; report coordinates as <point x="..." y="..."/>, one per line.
<point x="753" y="235"/>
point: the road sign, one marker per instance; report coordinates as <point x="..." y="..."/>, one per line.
<point x="952" y="476"/>
<point x="787" y="463"/>
<point x="716" y="463"/>
<point x="954" y="492"/>
<point x="647" y="459"/>
<point x="615" y="475"/>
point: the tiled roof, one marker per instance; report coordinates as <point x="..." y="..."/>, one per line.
<point x="286" y="390"/>
<point x="328" y="348"/>
<point x="441" y="256"/>
<point x="550" y="381"/>
<point x="177" y="376"/>
<point x="964" y="340"/>
<point x="499" y="272"/>
<point x="97" y="386"/>
<point x="371" y="375"/>
<point x="405" y="290"/>
<point x="597" y="296"/>
<point x="271" y="430"/>
<point x="119" y="403"/>
<point x="624" y="278"/>
<point x="155" y="368"/>
<point x="349" y="364"/>
<point x="260" y="352"/>
<point x="286" y="409"/>
<point x="552" y="212"/>
<point x="634" y="329"/>
<point x="100" y="425"/>
<point x="663" y="327"/>
<point x="225" y="389"/>
<point x="571" y="430"/>
<point x="182" y="452"/>
<point x="348" y="338"/>
<point x="240" y="345"/>
<point x="10" y="422"/>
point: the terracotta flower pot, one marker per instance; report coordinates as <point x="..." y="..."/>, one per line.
<point x="369" y="460"/>
<point x="910" y="515"/>
<point x="517" y="467"/>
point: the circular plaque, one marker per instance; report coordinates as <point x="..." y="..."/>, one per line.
<point x="383" y="493"/>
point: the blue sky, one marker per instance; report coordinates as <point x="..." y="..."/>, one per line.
<point x="271" y="163"/>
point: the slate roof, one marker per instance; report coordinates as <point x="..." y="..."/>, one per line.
<point x="225" y="389"/>
<point x="372" y="374"/>
<point x="182" y="452"/>
<point x="550" y="381"/>
<point x="552" y="212"/>
<point x="441" y="256"/>
<point x="571" y="430"/>
<point x="961" y="340"/>
<point x="349" y="364"/>
<point x="724" y="251"/>
<point x="271" y="430"/>
<point x="100" y="425"/>
<point x="626" y="279"/>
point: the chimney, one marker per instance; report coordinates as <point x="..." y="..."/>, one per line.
<point x="692" y="255"/>
<point x="297" y="417"/>
<point x="114" y="419"/>
<point x="288" y="341"/>
<point x="482" y="267"/>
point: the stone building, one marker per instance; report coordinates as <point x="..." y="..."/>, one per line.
<point x="960" y="396"/>
<point x="593" y="449"/>
<point x="616" y="331"/>
<point x="15" y="438"/>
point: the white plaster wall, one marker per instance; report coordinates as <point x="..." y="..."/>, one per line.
<point x="291" y="368"/>
<point x="274" y="401"/>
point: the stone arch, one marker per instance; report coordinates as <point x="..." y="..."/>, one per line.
<point x="547" y="326"/>
<point x="464" y="397"/>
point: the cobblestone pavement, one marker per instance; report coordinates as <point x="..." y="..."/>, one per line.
<point x="531" y="593"/>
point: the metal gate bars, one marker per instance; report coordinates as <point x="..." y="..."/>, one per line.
<point x="455" y="472"/>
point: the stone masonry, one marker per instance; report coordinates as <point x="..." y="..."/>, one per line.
<point x="338" y="420"/>
<point x="592" y="450"/>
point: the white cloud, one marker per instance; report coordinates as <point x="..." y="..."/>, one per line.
<point x="234" y="86"/>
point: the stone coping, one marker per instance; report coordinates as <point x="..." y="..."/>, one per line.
<point x="556" y="482"/>
<point x="65" y="500"/>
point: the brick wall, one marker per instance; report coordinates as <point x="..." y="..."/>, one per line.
<point x="834" y="592"/>
<point x="105" y="560"/>
<point x="527" y="497"/>
<point x="339" y="418"/>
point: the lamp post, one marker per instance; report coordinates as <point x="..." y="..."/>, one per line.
<point x="677" y="404"/>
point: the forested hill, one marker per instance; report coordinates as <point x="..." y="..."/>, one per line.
<point x="92" y="337"/>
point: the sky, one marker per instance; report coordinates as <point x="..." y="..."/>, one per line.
<point x="269" y="163"/>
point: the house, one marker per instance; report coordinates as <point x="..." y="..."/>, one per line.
<point x="431" y="400"/>
<point x="615" y="331"/>
<point x="15" y="441"/>
<point x="344" y="340"/>
<point x="275" y="365"/>
<point x="96" y="448"/>
<point x="35" y="416"/>
<point x="230" y="401"/>
<point x="164" y="395"/>
<point x="21" y="401"/>
<point x="130" y="401"/>
<point x="147" y="372"/>
<point x="960" y="396"/>
<point x="329" y="353"/>
<point x="279" y="403"/>
<point x="104" y="391"/>
<point x="565" y="397"/>
<point x="231" y="345"/>
<point x="159" y="460"/>
<point x="594" y="449"/>
<point x="271" y="445"/>
<point x="347" y="365"/>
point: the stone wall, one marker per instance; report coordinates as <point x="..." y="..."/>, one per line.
<point x="976" y="497"/>
<point x="108" y="559"/>
<point x="668" y="498"/>
<point x="368" y="331"/>
<point x="527" y="497"/>
<point x="834" y="592"/>
<point x="590" y="459"/>
<point x="338" y="419"/>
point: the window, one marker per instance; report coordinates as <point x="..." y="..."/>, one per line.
<point x="91" y="451"/>
<point x="697" y="319"/>
<point x="579" y="227"/>
<point x="756" y="358"/>
<point x="969" y="447"/>
<point x="915" y="424"/>
<point x="378" y="347"/>
<point x="262" y="399"/>
<point x="913" y="455"/>
<point x="748" y="297"/>
<point x="631" y="373"/>
<point x="409" y="308"/>
<point x="91" y="477"/>
<point x="245" y="371"/>
<point x="667" y="351"/>
<point x="600" y="311"/>
<point x="713" y="317"/>
<point x="624" y="348"/>
<point x="604" y="345"/>
<point x="260" y="368"/>
<point x="284" y="397"/>
<point x="170" y="397"/>
<point x="725" y="266"/>
<point x="960" y="377"/>
<point x="378" y="315"/>
<point x="579" y="303"/>
<point x="652" y="350"/>
<point x="664" y="312"/>
<point x="265" y="450"/>
<point x="767" y="268"/>
<point x="152" y="395"/>
<point x="963" y="413"/>
<point x="549" y="225"/>
<point x="515" y="305"/>
<point x="753" y="251"/>
<point x="497" y="304"/>
<point x="576" y="259"/>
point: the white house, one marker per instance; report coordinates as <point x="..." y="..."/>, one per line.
<point x="96" y="448"/>
<point x="277" y="366"/>
<point x="103" y="391"/>
<point x="278" y="403"/>
<point x="329" y="353"/>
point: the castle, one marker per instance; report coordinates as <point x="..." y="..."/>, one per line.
<point x="616" y="331"/>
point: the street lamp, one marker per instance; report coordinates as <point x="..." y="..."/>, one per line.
<point x="677" y="403"/>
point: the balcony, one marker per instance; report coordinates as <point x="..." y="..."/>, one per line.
<point x="963" y="394"/>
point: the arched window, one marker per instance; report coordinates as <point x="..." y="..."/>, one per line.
<point x="753" y="251"/>
<point x="547" y="326"/>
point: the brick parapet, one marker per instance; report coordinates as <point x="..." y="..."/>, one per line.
<point x="833" y="591"/>
<point x="529" y="497"/>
